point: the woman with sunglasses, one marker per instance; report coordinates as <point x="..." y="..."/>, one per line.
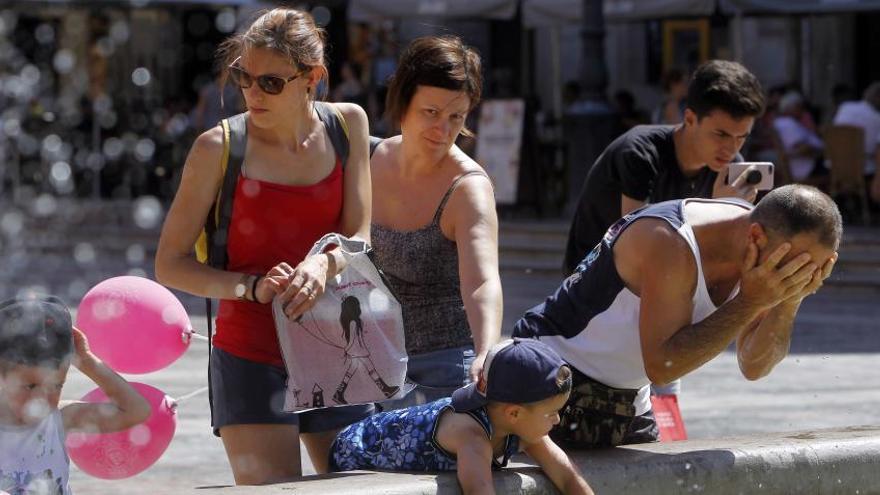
<point x="436" y="237"/>
<point x="292" y="189"/>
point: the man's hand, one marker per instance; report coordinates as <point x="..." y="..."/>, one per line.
<point x="738" y="189"/>
<point x="766" y="285"/>
<point x="818" y="277"/>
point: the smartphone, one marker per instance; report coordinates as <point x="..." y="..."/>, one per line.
<point x="760" y="174"/>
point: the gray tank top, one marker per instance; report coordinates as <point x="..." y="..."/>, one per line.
<point x="422" y="268"/>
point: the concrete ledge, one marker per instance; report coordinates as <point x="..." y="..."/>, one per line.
<point x="826" y="462"/>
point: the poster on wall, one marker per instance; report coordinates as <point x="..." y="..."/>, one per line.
<point x="499" y="139"/>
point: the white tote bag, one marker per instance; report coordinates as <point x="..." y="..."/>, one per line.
<point x="349" y="348"/>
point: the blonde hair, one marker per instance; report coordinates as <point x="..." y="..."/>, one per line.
<point x="288" y="32"/>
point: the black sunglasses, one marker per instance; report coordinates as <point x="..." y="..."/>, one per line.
<point x="271" y="85"/>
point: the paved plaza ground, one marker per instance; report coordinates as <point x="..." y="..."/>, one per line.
<point x="829" y="380"/>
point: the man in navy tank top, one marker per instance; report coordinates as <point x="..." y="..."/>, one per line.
<point x="668" y="288"/>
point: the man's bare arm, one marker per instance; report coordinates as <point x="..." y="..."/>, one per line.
<point x="671" y="345"/>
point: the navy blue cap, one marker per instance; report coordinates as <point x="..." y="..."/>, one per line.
<point x="516" y="371"/>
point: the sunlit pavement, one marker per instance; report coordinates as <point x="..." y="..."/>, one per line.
<point x="829" y="380"/>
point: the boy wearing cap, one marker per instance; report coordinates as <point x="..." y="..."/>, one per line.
<point x="37" y="344"/>
<point x="512" y="407"/>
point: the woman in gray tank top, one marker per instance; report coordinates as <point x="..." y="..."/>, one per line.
<point x="434" y="227"/>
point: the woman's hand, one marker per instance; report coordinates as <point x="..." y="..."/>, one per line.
<point x="273" y="283"/>
<point x="305" y="284"/>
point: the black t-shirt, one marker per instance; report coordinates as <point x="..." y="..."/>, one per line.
<point x="641" y="164"/>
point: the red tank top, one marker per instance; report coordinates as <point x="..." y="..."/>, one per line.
<point x="271" y="223"/>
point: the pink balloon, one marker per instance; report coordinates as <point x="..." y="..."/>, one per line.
<point x="125" y="453"/>
<point x="134" y="324"/>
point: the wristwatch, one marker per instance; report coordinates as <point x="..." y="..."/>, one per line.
<point x="241" y="287"/>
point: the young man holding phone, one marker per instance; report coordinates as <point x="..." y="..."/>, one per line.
<point x="650" y="164"/>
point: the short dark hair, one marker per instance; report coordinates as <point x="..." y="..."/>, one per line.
<point x="439" y="61"/>
<point x="795" y="209"/>
<point x="35" y="331"/>
<point x="727" y="86"/>
<point x="563" y="379"/>
<point x="563" y="384"/>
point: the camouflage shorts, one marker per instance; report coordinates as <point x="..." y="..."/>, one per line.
<point x="597" y="415"/>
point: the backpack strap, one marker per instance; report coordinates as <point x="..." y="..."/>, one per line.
<point x="235" y="134"/>
<point x="216" y="231"/>
<point x="337" y="128"/>
<point x="374" y="143"/>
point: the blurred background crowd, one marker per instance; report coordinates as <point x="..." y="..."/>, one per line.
<point x="102" y="99"/>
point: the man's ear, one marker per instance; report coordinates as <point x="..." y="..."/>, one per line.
<point x="758" y="235"/>
<point x="689" y="118"/>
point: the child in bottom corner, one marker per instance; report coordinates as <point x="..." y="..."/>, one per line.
<point x="38" y="343"/>
<point x="512" y="407"/>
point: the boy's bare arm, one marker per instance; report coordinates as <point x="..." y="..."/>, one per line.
<point x="126" y="407"/>
<point x="558" y="467"/>
<point x="475" y="467"/>
<point x="461" y="436"/>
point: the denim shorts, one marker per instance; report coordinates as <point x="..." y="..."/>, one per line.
<point x="247" y="392"/>
<point x="435" y="374"/>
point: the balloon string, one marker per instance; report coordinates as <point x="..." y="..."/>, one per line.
<point x="198" y="336"/>
<point x="191" y="394"/>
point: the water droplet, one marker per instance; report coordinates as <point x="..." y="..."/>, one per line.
<point x="52" y="143"/>
<point x="108" y="120"/>
<point x="61" y="177"/>
<point x="11" y="223"/>
<point x="64" y="61"/>
<point x="84" y="253"/>
<point x="135" y="254"/>
<point x="44" y="205"/>
<point x="147" y="212"/>
<point x="144" y="149"/>
<point x="113" y="148"/>
<point x="30" y="74"/>
<point x="105" y="46"/>
<point x="7" y="22"/>
<point x="12" y="127"/>
<point x="225" y="21"/>
<point x="119" y="31"/>
<point x="95" y="161"/>
<point x="77" y="289"/>
<point x="140" y="76"/>
<point x="44" y="34"/>
<point x="140" y="435"/>
<point x="668" y="364"/>
<point x="321" y="15"/>
<point x="102" y="104"/>
<point x="687" y="466"/>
